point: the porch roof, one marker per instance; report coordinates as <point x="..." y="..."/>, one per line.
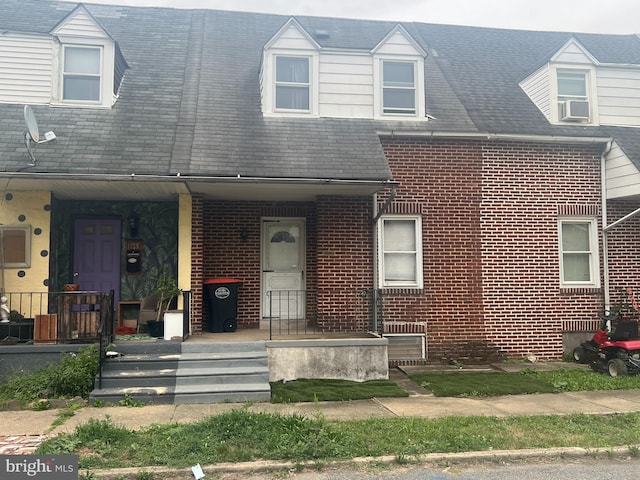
<point x="159" y="188"/>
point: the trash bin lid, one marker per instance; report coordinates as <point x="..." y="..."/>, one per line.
<point x="221" y="280"/>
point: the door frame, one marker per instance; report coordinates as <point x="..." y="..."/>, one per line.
<point x="264" y="310"/>
<point x="73" y="246"/>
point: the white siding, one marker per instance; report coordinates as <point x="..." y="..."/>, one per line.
<point x="25" y="68"/>
<point x="623" y="178"/>
<point x="572" y="53"/>
<point x="397" y="44"/>
<point x="292" y="39"/>
<point x="346" y="86"/>
<point x="81" y="25"/>
<point x="618" y="96"/>
<point x="536" y="86"/>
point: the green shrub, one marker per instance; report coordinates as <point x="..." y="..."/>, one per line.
<point x="73" y="375"/>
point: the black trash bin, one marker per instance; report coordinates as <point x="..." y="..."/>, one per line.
<point x="222" y="297"/>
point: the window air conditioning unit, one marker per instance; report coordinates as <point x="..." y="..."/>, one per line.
<point x="576" y="110"/>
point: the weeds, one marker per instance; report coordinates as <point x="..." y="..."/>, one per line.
<point x="73" y="375"/>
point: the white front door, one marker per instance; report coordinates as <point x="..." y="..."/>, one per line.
<point x="283" y="264"/>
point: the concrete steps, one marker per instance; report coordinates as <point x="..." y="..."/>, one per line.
<point x="179" y="373"/>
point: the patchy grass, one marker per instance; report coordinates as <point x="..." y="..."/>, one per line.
<point x="483" y="384"/>
<point x="241" y="435"/>
<point x="479" y="384"/>
<point x="310" y="390"/>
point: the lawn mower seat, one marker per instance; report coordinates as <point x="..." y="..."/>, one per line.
<point x="625" y="331"/>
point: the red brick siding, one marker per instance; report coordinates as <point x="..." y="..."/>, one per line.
<point x="491" y="242"/>
<point x="345" y="262"/>
<point x="624" y="250"/>
<point x="227" y="255"/>
<point x="196" y="264"/>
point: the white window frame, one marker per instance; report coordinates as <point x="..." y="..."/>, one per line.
<point x="26" y="229"/>
<point x="593" y="252"/>
<point x="590" y="89"/>
<point x="382" y="282"/>
<point x="378" y="88"/>
<point x="584" y="74"/>
<point x="308" y="85"/>
<point x="384" y="87"/>
<point x="64" y="74"/>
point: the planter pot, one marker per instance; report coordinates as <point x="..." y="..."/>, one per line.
<point x="156" y="329"/>
<point x="173" y="325"/>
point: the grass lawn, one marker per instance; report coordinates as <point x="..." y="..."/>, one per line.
<point x="241" y="435"/>
<point x="470" y="384"/>
<point x="309" y="390"/>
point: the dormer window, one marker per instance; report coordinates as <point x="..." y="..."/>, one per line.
<point x="398" y="88"/>
<point x="293" y="85"/>
<point x="82" y="74"/>
<point x="573" y="100"/>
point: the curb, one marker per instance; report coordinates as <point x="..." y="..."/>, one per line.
<point x="430" y="458"/>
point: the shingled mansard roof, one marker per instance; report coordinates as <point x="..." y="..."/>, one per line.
<point x="190" y="101"/>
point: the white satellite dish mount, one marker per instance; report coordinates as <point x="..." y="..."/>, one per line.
<point x="33" y="134"/>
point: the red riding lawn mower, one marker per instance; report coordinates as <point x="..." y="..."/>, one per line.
<point x="618" y="352"/>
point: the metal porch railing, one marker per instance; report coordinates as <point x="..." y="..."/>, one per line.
<point x="294" y="312"/>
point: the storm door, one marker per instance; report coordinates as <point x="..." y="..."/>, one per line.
<point x="283" y="265"/>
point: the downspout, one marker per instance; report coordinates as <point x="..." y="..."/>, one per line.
<point x="605" y="246"/>
<point x="376" y="216"/>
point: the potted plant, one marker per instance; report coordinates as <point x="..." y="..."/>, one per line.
<point x="167" y="291"/>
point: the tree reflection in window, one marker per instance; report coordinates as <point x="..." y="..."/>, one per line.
<point x="283" y="236"/>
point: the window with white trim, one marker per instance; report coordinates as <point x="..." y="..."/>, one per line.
<point x="398" y="88"/>
<point x="82" y="74"/>
<point x="293" y="83"/>
<point x="15" y="246"/>
<point x="400" y="258"/>
<point x="573" y="96"/>
<point x="579" y="259"/>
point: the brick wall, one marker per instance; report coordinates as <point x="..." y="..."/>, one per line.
<point x="226" y="254"/>
<point x="624" y="250"/>
<point x="345" y="268"/>
<point x="490" y="243"/>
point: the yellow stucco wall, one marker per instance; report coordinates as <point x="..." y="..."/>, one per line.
<point x="32" y="208"/>
<point x="184" y="244"/>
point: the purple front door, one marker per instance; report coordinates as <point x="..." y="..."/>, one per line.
<point x="96" y="255"/>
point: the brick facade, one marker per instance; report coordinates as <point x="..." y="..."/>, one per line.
<point x="490" y="242"/>
<point x="490" y="247"/>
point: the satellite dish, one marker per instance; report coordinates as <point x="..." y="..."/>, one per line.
<point x="32" y="123"/>
<point x="33" y="134"/>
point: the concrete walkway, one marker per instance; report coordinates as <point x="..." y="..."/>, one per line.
<point x="21" y="431"/>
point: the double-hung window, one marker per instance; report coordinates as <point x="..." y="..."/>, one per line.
<point x="572" y="86"/>
<point x="579" y="260"/>
<point x="15" y="246"/>
<point x="573" y="97"/>
<point x="82" y="74"/>
<point x="398" y="88"/>
<point x="293" y="85"/>
<point x="400" y="262"/>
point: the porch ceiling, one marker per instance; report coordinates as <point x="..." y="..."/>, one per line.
<point x="137" y="188"/>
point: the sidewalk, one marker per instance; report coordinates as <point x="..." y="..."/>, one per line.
<point x="30" y="426"/>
